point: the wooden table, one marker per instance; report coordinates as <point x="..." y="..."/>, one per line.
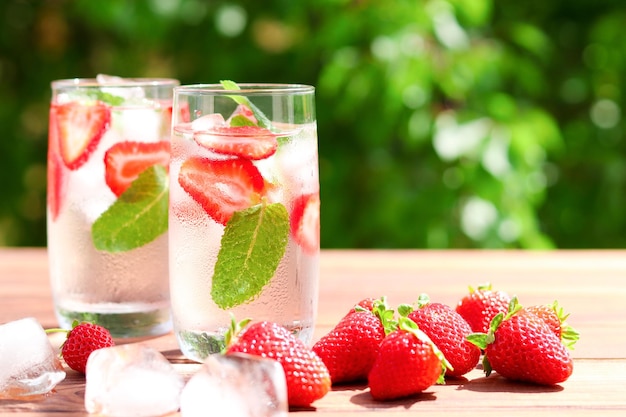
<point x="591" y="285"/>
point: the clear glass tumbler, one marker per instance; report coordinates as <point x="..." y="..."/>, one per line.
<point x="244" y="210"/>
<point x="108" y="188"/>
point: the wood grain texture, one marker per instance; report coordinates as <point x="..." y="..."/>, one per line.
<point x="591" y="285"/>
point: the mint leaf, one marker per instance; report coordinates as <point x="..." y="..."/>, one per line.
<point x="260" y="116"/>
<point x="241" y="120"/>
<point x="137" y="217"/>
<point x="253" y="244"/>
<point x="106" y="98"/>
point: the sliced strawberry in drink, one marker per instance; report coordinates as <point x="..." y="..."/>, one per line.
<point x="221" y="187"/>
<point x="242" y="116"/>
<point x="57" y="181"/>
<point x="80" y="128"/>
<point x="250" y="142"/>
<point x="124" y="161"/>
<point x="305" y="222"/>
<point x="57" y="176"/>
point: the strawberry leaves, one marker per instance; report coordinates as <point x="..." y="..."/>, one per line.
<point x="253" y="244"/>
<point x="137" y="217"/>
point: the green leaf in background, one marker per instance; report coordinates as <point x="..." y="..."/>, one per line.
<point x="253" y="244"/>
<point x="260" y="116"/>
<point x="137" y="217"/>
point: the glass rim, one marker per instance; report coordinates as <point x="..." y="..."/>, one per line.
<point x="125" y="82"/>
<point x="247" y="89"/>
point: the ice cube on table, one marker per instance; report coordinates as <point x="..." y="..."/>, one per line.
<point x="29" y="365"/>
<point x="236" y="385"/>
<point x="132" y="380"/>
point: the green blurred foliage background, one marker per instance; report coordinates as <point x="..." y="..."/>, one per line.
<point x="442" y="123"/>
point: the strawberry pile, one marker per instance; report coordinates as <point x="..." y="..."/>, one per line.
<point x="403" y="354"/>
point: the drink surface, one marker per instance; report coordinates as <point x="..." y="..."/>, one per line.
<point x="282" y="183"/>
<point x="107" y="163"/>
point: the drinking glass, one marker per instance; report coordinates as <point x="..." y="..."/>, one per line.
<point x="108" y="156"/>
<point x="244" y="211"/>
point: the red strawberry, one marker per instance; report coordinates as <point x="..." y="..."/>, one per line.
<point x="305" y="222"/>
<point x="57" y="177"/>
<point x="481" y="305"/>
<point x="408" y="363"/>
<point x="448" y="330"/>
<point x="350" y="348"/>
<point x="222" y="187"/>
<point x="554" y="316"/>
<point x="80" y="128"/>
<point x="83" y="339"/>
<point x="250" y="142"/>
<point x="242" y="116"/>
<point x="364" y="304"/>
<point x="522" y="347"/>
<point x="307" y="377"/>
<point x="124" y="161"/>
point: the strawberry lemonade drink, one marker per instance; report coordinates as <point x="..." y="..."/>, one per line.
<point x="108" y="189"/>
<point x="244" y="211"/>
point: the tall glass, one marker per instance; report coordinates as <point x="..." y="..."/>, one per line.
<point x="244" y="210"/>
<point x="108" y="157"/>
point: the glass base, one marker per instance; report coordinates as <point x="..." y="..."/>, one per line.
<point x="132" y="325"/>
<point x="197" y="345"/>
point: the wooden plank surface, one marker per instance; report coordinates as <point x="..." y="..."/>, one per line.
<point x="591" y="285"/>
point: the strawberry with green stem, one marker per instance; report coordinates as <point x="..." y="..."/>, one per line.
<point x="81" y="340"/>
<point x="306" y="375"/>
<point x="407" y="363"/>
<point x="351" y="347"/>
<point x="481" y="305"/>
<point x="522" y="347"/>
<point x="448" y="330"/>
<point x="555" y="317"/>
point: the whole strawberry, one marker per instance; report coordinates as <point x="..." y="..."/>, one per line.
<point x="554" y="316"/>
<point x="449" y="331"/>
<point x="83" y="339"/>
<point x="481" y="305"/>
<point x="306" y="375"/>
<point x="408" y="363"/>
<point x="521" y="346"/>
<point x="350" y="348"/>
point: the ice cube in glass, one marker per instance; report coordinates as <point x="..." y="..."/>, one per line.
<point x="29" y="365"/>
<point x="131" y="380"/>
<point x="236" y="385"/>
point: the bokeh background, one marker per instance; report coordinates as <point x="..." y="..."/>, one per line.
<point x="442" y="123"/>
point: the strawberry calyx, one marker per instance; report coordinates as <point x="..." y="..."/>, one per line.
<point x="234" y="330"/>
<point x="569" y="335"/>
<point x="82" y="340"/>
<point x="386" y="315"/>
<point x="408" y="325"/>
<point x="481" y="340"/>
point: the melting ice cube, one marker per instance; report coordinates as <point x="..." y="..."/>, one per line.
<point x="236" y="385"/>
<point x="29" y="365"/>
<point x="113" y="85"/>
<point x="131" y="380"/>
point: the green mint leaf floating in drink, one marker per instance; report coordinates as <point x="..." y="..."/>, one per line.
<point x="260" y="116"/>
<point x="107" y="98"/>
<point x="137" y="217"/>
<point x="253" y="244"/>
<point x="241" y="120"/>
